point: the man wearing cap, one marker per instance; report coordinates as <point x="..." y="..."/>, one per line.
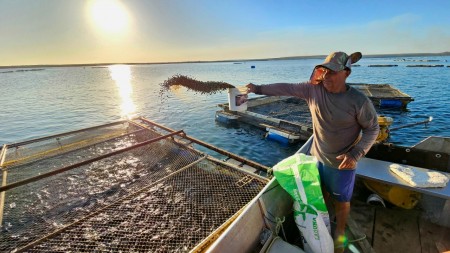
<point x="345" y="126"/>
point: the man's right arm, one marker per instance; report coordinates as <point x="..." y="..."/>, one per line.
<point x="280" y="89"/>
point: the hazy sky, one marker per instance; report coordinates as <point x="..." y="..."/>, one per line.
<point x="93" y="31"/>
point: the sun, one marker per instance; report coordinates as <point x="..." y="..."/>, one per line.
<point x="109" y="16"/>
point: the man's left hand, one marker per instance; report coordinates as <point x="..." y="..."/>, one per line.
<point x="348" y="162"/>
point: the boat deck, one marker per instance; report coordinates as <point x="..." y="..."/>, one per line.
<point x="393" y="229"/>
<point x="373" y="228"/>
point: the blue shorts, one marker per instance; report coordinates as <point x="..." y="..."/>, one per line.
<point x="338" y="183"/>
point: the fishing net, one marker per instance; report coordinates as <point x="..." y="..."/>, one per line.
<point x="124" y="187"/>
<point x="289" y="109"/>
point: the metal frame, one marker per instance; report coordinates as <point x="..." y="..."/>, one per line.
<point x="209" y="146"/>
<point x="175" y="139"/>
<point x="4" y="176"/>
<point x="66" y="133"/>
<point x="73" y="166"/>
<point x="107" y="206"/>
<point x="8" y="163"/>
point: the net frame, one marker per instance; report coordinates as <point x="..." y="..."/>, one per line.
<point x="174" y="149"/>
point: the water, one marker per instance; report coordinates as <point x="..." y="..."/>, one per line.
<point x="55" y="100"/>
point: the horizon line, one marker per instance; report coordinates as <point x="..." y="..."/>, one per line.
<point x="210" y="61"/>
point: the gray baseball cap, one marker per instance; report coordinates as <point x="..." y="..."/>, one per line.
<point x="338" y="61"/>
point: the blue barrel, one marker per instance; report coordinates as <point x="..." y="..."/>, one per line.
<point x="278" y="138"/>
<point x="391" y="103"/>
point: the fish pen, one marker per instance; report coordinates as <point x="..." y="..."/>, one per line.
<point x="384" y="95"/>
<point x="285" y="119"/>
<point x="288" y="119"/>
<point x="128" y="186"/>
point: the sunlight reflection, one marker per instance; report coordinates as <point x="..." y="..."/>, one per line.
<point x="121" y="74"/>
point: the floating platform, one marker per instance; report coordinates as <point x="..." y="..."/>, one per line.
<point x="287" y="119"/>
<point x="382" y="65"/>
<point x="425" y="66"/>
<point x="384" y="95"/>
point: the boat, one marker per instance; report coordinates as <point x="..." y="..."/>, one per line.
<point x="395" y="195"/>
<point x="255" y="229"/>
<point x="135" y="185"/>
<point x="259" y="228"/>
<point x="265" y="225"/>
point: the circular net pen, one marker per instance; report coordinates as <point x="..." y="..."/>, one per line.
<point x="137" y="192"/>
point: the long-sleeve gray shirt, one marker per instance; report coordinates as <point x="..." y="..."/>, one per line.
<point x="338" y="119"/>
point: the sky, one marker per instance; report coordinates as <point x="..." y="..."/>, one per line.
<point x="40" y="32"/>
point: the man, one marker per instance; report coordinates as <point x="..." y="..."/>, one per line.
<point x="345" y="126"/>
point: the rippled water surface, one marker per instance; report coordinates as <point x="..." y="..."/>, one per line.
<point x="55" y="100"/>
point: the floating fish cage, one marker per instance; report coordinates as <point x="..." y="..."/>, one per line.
<point x="287" y="119"/>
<point x="384" y="95"/>
<point x="128" y="186"/>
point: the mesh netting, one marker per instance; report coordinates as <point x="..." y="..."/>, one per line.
<point x="35" y="150"/>
<point x="291" y="109"/>
<point x="158" y="197"/>
<point x="380" y="91"/>
<point x="172" y="215"/>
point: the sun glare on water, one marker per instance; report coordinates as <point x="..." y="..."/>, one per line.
<point x="109" y="16"/>
<point x="121" y="74"/>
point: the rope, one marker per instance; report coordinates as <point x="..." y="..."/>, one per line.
<point x="364" y="236"/>
<point x="280" y="225"/>
<point x="358" y="239"/>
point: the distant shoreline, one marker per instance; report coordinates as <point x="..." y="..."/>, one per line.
<point x="236" y="60"/>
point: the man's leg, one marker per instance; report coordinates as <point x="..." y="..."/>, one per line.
<point x="342" y="212"/>
<point x="338" y="188"/>
<point x="329" y="202"/>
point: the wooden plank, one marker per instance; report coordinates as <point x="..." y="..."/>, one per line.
<point x="433" y="238"/>
<point x="358" y="237"/>
<point x="396" y="231"/>
<point x="363" y="215"/>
